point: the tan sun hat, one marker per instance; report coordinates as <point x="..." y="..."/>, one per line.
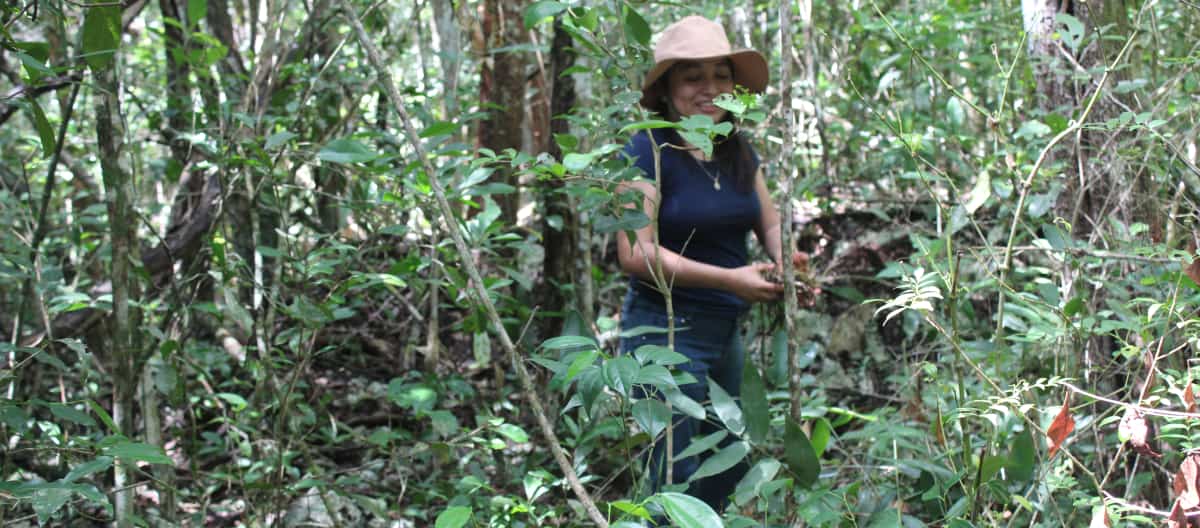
<point x="698" y="38"/>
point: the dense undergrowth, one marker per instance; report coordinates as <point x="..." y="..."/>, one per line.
<point x="1004" y="240"/>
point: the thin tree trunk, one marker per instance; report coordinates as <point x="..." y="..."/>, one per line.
<point x="119" y="198"/>
<point x="502" y="83"/>
<point x="559" y="222"/>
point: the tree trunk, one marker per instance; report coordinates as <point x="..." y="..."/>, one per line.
<point x="122" y="219"/>
<point x="502" y="84"/>
<point x="559" y="223"/>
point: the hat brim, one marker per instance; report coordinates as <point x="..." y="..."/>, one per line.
<point x="749" y="71"/>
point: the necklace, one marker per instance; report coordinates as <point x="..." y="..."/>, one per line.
<point x="716" y="178"/>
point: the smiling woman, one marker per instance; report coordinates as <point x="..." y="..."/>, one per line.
<point x="694" y="252"/>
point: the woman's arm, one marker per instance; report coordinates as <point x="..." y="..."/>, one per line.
<point x="641" y="257"/>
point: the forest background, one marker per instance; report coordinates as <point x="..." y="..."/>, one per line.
<point x="314" y="263"/>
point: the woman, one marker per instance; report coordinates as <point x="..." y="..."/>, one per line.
<point x="707" y="208"/>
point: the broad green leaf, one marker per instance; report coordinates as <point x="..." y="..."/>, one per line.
<point x="346" y="151"/>
<point x="684" y="404"/>
<point x="647" y="124"/>
<point x="687" y="511"/>
<point x="138" y="452"/>
<point x="754" y="404"/>
<point x="1072" y="30"/>
<point x="1022" y="459"/>
<point x="513" y="432"/>
<point x="71" y="414"/>
<point x="656" y="354"/>
<point x="822" y="431"/>
<point x="101" y="35"/>
<point x="726" y="408"/>
<point x="651" y="416"/>
<point x="50" y="498"/>
<point x="636" y="27"/>
<point x="196" y="11"/>
<point x="655" y="375"/>
<point x="620" y="373"/>
<point x="752" y="483"/>
<point x="232" y="399"/>
<point x="101" y="463"/>
<point x="702" y="444"/>
<point x="576" y="161"/>
<point x="630" y="219"/>
<point x="45" y="132"/>
<point x="723" y="460"/>
<point x="104" y="417"/>
<point x="570" y="342"/>
<point x="584" y="360"/>
<point x="278" y="139"/>
<point x="799" y="454"/>
<point x="453" y="517"/>
<point x="980" y="193"/>
<point x="779" y="358"/>
<point x="539" y="11"/>
<point x="954" y="110"/>
<point x="440" y="128"/>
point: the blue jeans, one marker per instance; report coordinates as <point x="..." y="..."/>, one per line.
<point x="713" y="343"/>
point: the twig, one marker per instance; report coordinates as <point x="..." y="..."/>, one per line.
<point x="473" y="270"/>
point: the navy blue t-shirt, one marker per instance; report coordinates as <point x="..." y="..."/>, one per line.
<point x="695" y="220"/>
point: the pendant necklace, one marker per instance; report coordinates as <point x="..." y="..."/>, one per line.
<point x="716" y="178"/>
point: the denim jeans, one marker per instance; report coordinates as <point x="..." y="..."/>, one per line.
<point x="713" y="343"/>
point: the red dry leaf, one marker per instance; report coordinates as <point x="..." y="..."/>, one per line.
<point x="1193" y="269"/>
<point x="1133" y="426"/>
<point x="1185" y="485"/>
<point x="1100" y="518"/>
<point x="1189" y="398"/>
<point x="1177" y="519"/>
<point x="1061" y="427"/>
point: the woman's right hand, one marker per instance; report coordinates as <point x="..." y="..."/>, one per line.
<point x="749" y="283"/>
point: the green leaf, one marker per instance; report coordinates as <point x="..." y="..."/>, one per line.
<point x="104" y="417"/>
<point x="45" y="132"/>
<point x="752" y="483"/>
<point x="630" y="219"/>
<point x="647" y="124"/>
<point x="980" y="193"/>
<point x="576" y="162"/>
<point x="651" y="416"/>
<point x="513" y="432"/>
<point x="453" y="517"/>
<point x="723" y="460"/>
<point x="779" y="358"/>
<point x="1072" y="30"/>
<point x="542" y="10"/>
<point x="71" y="414"/>
<point x="702" y="444"/>
<point x="570" y="342"/>
<point x="138" y="452"/>
<point x="346" y="151"/>
<point x="620" y="373"/>
<point x="684" y="404"/>
<point x="101" y="463"/>
<point x="48" y="499"/>
<point x="196" y="11"/>
<point x="636" y="27"/>
<point x="440" y="128"/>
<point x="235" y="400"/>
<point x="821" y="433"/>
<point x="800" y="456"/>
<point x="278" y="139"/>
<point x="754" y="404"/>
<point x="101" y="36"/>
<point x="1022" y="459"/>
<point x="954" y="110"/>
<point x="687" y="511"/>
<point x="726" y="408"/>
<point x="581" y="361"/>
<point x="656" y="354"/>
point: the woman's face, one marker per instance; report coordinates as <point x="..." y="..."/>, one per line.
<point x="692" y="86"/>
